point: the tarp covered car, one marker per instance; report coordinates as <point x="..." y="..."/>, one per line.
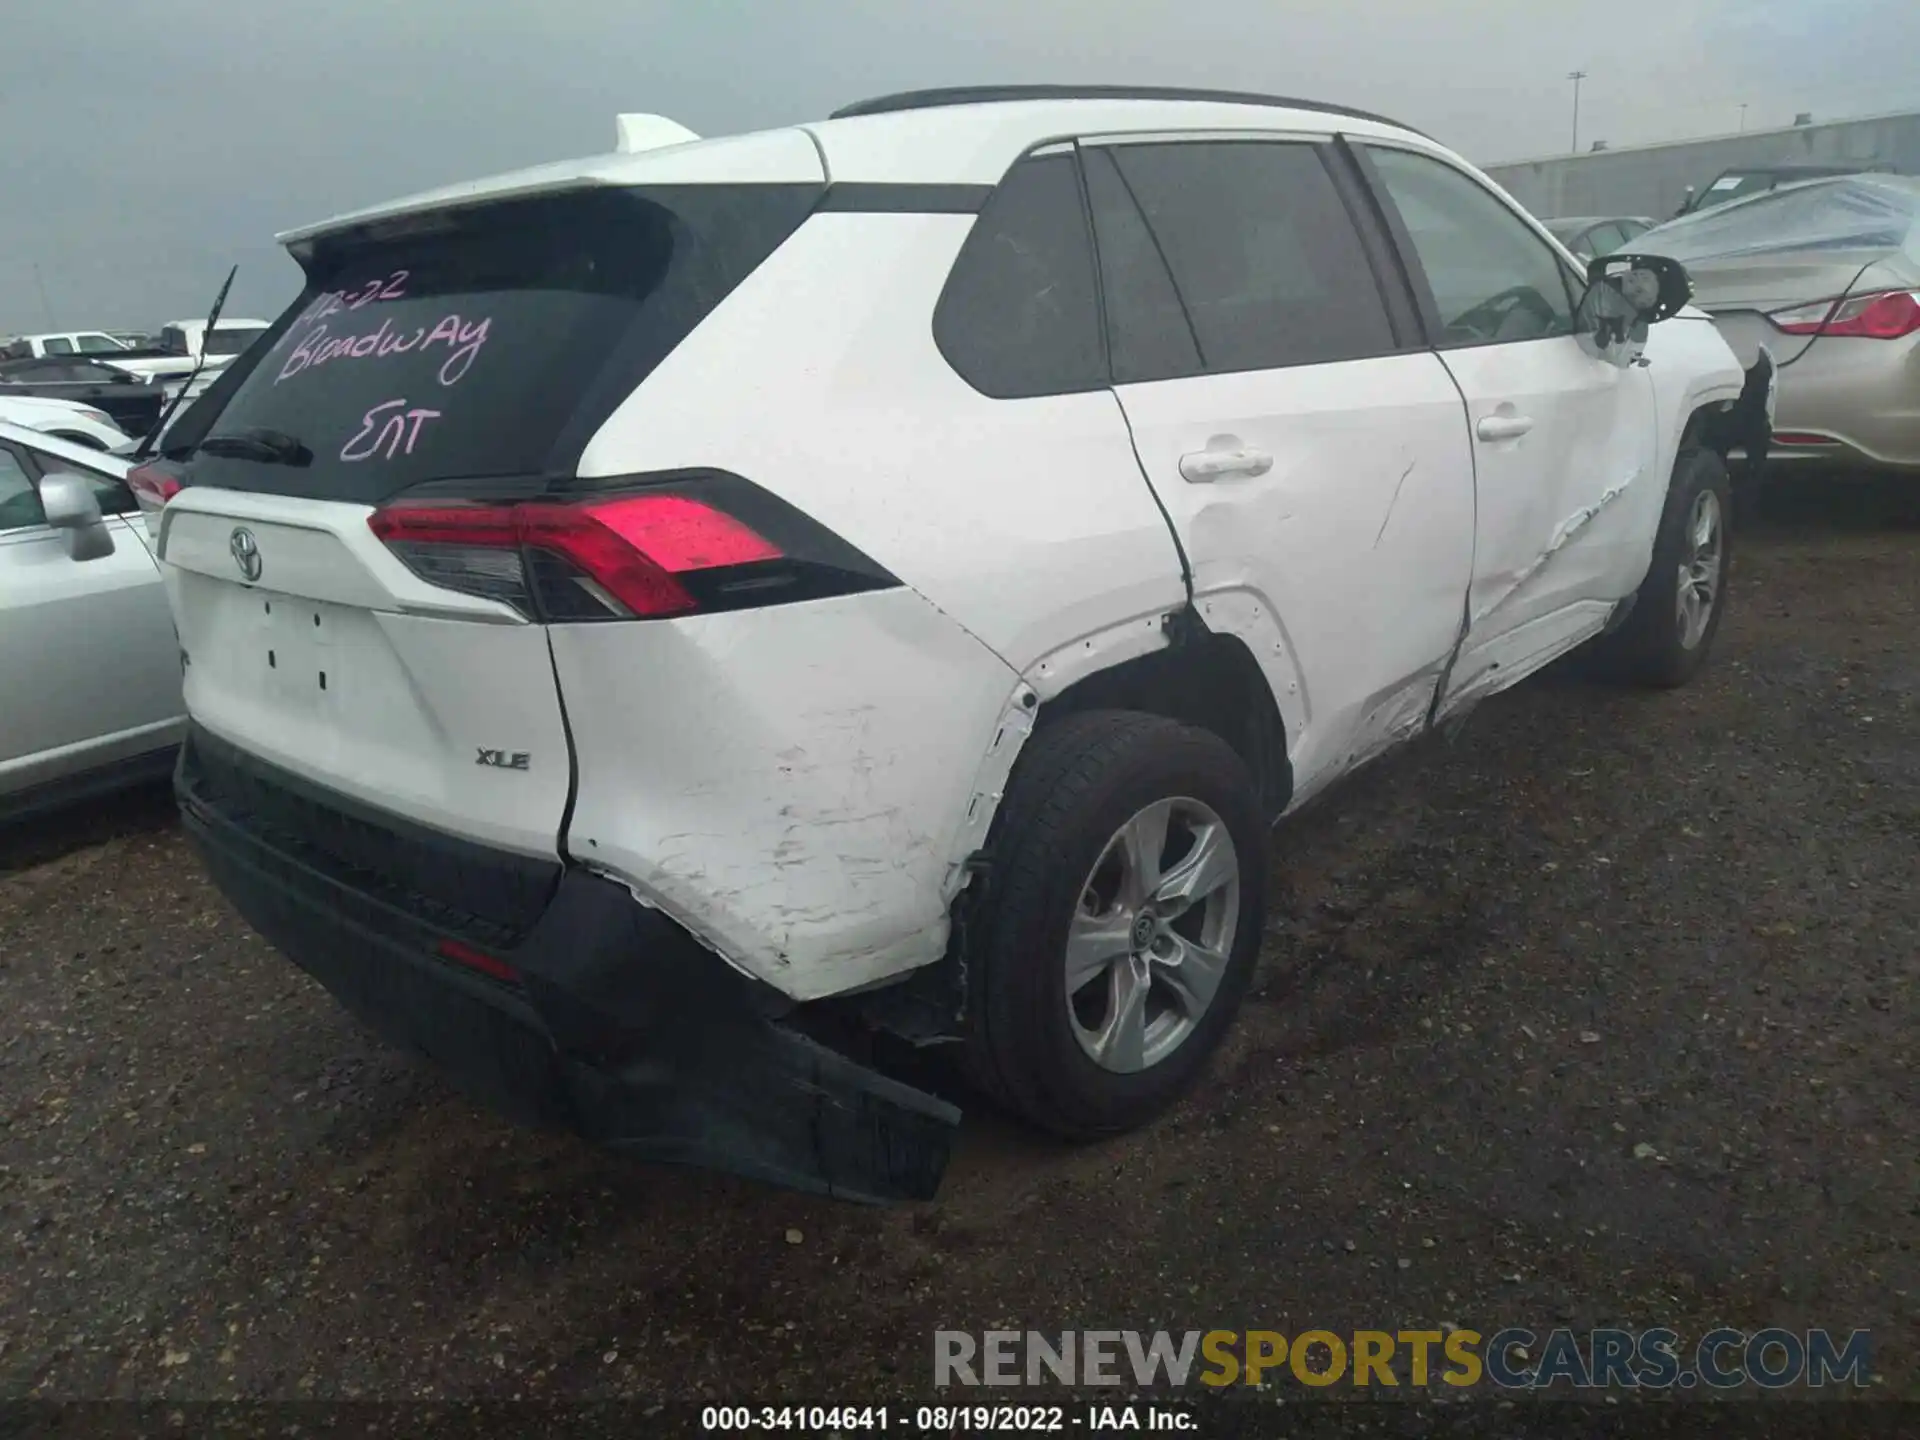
<point x="1825" y="275"/>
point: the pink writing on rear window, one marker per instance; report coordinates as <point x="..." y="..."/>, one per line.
<point x="388" y="287"/>
<point x="463" y="341"/>
<point x="393" y="427"/>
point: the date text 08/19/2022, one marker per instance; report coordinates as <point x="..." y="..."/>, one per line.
<point x="946" y="1419"/>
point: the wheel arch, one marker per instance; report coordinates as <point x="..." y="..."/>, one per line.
<point x="1200" y="678"/>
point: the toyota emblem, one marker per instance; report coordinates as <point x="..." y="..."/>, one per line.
<point x="246" y="552"/>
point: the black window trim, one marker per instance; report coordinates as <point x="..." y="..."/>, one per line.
<point x="1574" y="283"/>
<point x="888" y="197"/>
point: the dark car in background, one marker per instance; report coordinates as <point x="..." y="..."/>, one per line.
<point x="134" y="404"/>
<point x="1591" y="236"/>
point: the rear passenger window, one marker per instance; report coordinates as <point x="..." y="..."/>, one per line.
<point x="1018" y="316"/>
<point x="1261" y="252"/>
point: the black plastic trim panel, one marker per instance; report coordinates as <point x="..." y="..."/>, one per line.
<point x="488" y="896"/>
<point x="884" y="198"/>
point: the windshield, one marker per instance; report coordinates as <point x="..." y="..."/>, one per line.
<point x="478" y="343"/>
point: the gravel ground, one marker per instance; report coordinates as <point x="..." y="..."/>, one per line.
<point x="1598" y="1011"/>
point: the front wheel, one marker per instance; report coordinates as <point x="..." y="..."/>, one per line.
<point x="1123" y="922"/>
<point x="1676" y="612"/>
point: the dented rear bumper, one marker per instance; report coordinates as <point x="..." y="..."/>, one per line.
<point x="591" y="1012"/>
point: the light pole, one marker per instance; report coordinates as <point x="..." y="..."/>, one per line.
<point x="1743" y="117"/>
<point x="1576" y="76"/>
<point x="46" y="305"/>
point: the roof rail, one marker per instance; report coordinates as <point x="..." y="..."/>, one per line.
<point x="1002" y="94"/>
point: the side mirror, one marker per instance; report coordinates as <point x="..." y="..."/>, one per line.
<point x="1657" y="286"/>
<point x="72" y="509"/>
<point x="1627" y="293"/>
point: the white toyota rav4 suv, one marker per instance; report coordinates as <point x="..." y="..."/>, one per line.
<point x="655" y="622"/>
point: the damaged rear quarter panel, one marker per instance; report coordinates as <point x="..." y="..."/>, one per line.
<point x="789" y="782"/>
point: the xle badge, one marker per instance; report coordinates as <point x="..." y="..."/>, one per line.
<point x="504" y="759"/>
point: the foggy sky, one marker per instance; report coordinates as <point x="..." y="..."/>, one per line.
<point x="146" y="145"/>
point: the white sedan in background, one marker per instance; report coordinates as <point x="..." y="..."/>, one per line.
<point x="88" y="657"/>
<point x="66" y="420"/>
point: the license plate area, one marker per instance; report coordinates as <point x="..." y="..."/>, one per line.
<point x="298" y="654"/>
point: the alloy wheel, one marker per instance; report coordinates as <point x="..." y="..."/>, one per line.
<point x="1152" y="935"/>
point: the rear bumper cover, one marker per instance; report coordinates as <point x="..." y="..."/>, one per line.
<point x="621" y="1028"/>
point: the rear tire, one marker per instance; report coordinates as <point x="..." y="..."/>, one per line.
<point x="1161" y="946"/>
<point x="1676" y="612"/>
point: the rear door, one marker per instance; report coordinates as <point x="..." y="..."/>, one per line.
<point x="1560" y="434"/>
<point x="452" y="365"/>
<point x="1310" y="453"/>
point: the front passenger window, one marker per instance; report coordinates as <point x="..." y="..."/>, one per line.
<point x="19" y="501"/>
<point x="114" y="496"/>
<point x="1493" y="280"/>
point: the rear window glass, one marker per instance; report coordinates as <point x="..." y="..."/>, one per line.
<point x="483" y="343"/>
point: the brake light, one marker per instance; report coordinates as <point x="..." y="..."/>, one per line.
<point x="152" y="486"/>
<point x="1801" y="439"/>
<point x="673" y="548"/>
<point x="1887" y="315"/>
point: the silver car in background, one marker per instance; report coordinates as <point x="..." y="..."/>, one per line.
<point x="1591" y="236"/>
<point x="89" y="662"/>
<point x="1826" y="275"/>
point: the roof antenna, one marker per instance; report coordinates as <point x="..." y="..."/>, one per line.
<point x="213" y="318"/>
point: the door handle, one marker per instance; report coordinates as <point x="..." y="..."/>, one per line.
<point x="1503" y="427"/>
<point x="1204" y="466"/>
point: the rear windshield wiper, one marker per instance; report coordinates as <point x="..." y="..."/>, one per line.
<point x="270" y="447"/>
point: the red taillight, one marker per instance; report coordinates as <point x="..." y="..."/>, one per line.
<point x="1795" y="438"/>
<point x="1889" y="315"/>
<point x="463" y="954"/>
<point x="152" y="486"/>
<point x="622" y="554"/>
<point x="644" y="547"/>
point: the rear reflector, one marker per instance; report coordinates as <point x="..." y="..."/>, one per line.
<point x="463" y="954"/>
<point x="672" y="548"/>
<point x="1889" y="315"/>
